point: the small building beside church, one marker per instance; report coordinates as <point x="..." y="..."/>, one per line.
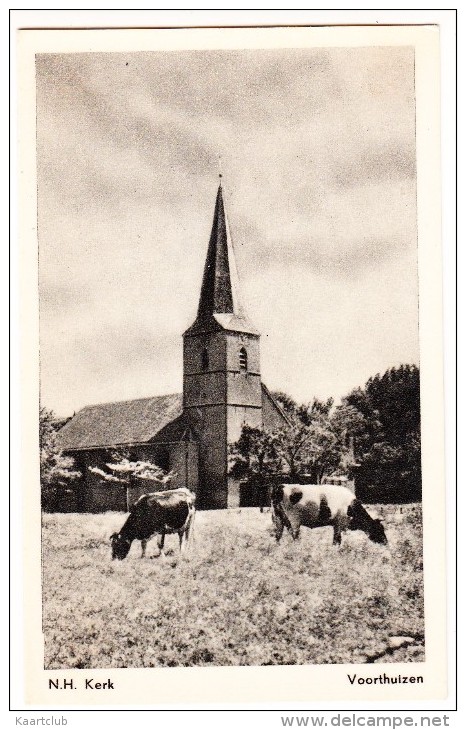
<point x="188" y="433"/>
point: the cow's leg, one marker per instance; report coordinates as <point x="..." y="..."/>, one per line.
<point x="336" y="534"/>
<point x="294" y="525"/>
<point x="186" y="532"/>
<point x="161" y="543"/>
<point x="278" y="524"/>
<point x="191" y="534"/>
<point x="143" y="548"/>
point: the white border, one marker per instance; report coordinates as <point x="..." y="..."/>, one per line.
<point x="61" y="17"/>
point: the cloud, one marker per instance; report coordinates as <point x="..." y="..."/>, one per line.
<point x="376" y="166"/>
<point x="318" y="154"/>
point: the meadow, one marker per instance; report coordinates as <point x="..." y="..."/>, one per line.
<point x="236" y="597"/>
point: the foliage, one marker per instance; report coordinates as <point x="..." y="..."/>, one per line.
<point x="293" y="445"/>
<point x="304" y="412"/>
<point x="254" y="454"/>
<point x="388" y="444"/>
<point x="286" y="402"/>
<point x="57" y="472"/>
<point x="382" y="420"/>
<point x="254" y="459"/>
<point x="313" y="442"/>
<point x="124" y="470"/>
<point x="236" y="598"/>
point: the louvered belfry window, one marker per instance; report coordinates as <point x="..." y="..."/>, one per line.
<point x="243" y="359"/>
<point x="205" y="359"/>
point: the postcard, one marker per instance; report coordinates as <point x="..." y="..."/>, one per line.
<point x="233" y="471"/>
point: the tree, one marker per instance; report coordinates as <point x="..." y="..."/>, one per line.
<point x="253" y="459"/>
<point x="347" y="422"/>
<point x="253" y="455"/>
<point x="388" y="445"/>
<point x="376" y="428"/>
<point x="292" y="444"/>
<point x="302" y="412"/>
<point x="316" y="443"/>
<point x="125" y="471"/>
<point x="287" y="404"/>
<point x="308" y="445"/>
<point x="57" y="472"/>
<point x="325" y="450"/>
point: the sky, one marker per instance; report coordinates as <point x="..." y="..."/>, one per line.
<point x="318" y="159"/>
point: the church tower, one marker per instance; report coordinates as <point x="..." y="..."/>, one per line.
<point x="221" y="368"/>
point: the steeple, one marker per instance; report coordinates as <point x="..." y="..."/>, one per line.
<point x="221" y="369"/>
<point x="219" y="302"/>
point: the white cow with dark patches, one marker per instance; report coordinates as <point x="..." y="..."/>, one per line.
<point x="319" y="505"/>
<point x="158" y="513"/>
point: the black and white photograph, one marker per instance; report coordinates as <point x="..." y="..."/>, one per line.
<point x="230" y="363"/>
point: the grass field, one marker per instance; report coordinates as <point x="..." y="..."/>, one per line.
<point x="238" y="598"/>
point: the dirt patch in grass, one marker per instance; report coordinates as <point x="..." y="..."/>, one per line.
<point x="237" y="598"/>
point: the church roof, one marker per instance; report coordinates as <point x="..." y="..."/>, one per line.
<point x="220" y="305"/>
<point x="126" y="422"/>
<point x="139" y="421"/>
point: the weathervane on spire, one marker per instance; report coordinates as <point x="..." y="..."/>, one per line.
<point x="220" y="168"/>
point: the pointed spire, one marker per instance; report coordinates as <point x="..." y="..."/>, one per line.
<point x="220" y="299"/>
<point x="220" y="284"/>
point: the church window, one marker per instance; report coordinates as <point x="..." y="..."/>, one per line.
<point x="205" y="359"/>
<point x="243" y="359"/>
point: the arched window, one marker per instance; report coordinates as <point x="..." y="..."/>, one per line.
<point x="205" y="359"/>
<point x="243" y="359"/>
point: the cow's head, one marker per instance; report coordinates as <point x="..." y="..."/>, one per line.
<point x="120" y="546"/>
<point x="377" y="532"/>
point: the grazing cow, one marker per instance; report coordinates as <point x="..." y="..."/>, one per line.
<point x="319" y="505"/>
<point x="158" y="513"/>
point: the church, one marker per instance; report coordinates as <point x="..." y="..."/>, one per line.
<point x="188" y="433"/>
